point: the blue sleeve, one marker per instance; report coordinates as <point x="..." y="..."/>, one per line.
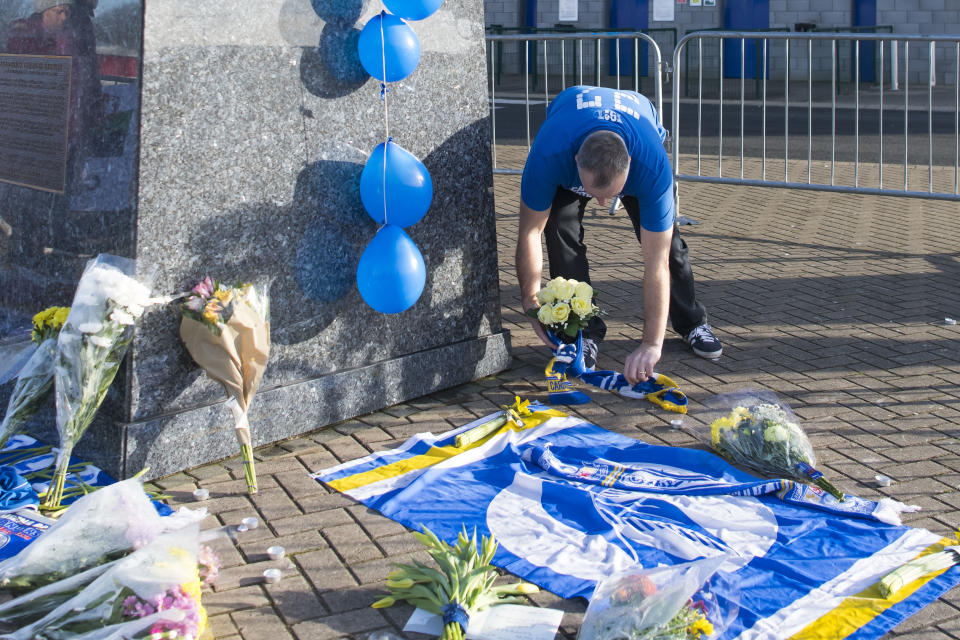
<point x="539" y="183"/>
<point x="659" y="214"/>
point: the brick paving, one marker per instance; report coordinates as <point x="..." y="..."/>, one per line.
<point x="836" y="302"/>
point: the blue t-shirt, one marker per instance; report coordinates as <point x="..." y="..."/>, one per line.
<point x="576" y="113"/>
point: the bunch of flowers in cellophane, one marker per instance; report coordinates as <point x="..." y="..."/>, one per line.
<point x="661" y="603"/>
<point x="566" y="307"/>
<point x="35" y="378"/>
<point x="152" y="593"/>
<point x="754" y="429"/>
<point x="97" y="529"/>
<point x="227" y="332"/>
<point x="90" y="347"/>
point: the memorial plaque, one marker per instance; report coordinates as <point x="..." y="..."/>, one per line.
<point x="34" y="114"/>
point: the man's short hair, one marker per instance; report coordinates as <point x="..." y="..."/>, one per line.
<point x="604" y="155"/>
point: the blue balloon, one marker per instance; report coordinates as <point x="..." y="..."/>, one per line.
<point x="412" y="9"/>
<point x="409" y="189"/>
<point x="391" y="273"/>
<point x="389" y="49"/>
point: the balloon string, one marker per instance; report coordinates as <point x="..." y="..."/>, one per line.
<point x="386" y="114"/>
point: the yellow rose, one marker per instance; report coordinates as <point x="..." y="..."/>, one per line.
<point x="545" y="314"/>
<point x="583" y="291"/>
<point x="581" y="306"/>
<point x="560" y="312"/>
<point x="545" y="296"/>
<point x="562" y="288"/>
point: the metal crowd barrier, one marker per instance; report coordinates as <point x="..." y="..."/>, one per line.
<point x="867" y="169"/>
<point x="541" y="45"/>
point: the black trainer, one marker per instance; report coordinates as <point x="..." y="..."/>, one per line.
<point x="589" y="354"/>
<point x="704" y="343"/>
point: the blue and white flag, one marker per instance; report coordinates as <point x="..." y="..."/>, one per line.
<point x="27" y="456"/>
<point x="571" y="503"/>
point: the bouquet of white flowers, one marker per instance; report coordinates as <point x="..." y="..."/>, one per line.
<point x="755" y="430"/>
<point x="566" y="307"/>
<point x="92" y="342"/>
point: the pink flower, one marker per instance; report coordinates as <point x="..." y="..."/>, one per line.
<point x="204" y="288"/>
<point x="209" y="564"/>
<point x="195" y="303"/>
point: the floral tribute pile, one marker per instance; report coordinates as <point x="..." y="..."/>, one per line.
<point x="111" y="568"/>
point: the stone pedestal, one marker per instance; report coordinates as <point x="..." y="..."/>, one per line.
<point x="242" y="160"/>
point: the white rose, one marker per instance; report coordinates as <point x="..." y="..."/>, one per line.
<point x="545" y="296"/>
<point x="583" y="291"/>
<point x="545" y="314"/>
<point x="581" y="306"/>
<point x="562" y="288"/>
<point x="560" y="312"/>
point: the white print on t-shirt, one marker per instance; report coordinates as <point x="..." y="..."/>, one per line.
<point x="596" y="102"/>
<point x="618" y="105"/>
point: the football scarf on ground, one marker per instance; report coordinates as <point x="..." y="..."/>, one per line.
<point x="571" y="503"/>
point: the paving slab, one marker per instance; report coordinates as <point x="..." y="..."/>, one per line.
<point x="835" y="301"/>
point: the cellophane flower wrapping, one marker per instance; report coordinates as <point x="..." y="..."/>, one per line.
<point x="161" y="576"/>
<point x="226" y="330"/>
<point x="99" y="527"/>
<point x="15" y="351"/>
<point x="660" y="603"/>
<point x="91" y="345"/>
<point x="756" y="430"/>
<point x="35" y="375"/>
<point x="33" y="386"/>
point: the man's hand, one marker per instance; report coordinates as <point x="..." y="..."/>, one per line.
<point x="537" y="327"/>
<point x="639" y="365"/>
<point x="529" y="262"/>
<point x="656" y="300"/>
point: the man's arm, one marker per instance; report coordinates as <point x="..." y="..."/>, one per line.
<point x="656" y="301"/>
<point x="529" y="261"/>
